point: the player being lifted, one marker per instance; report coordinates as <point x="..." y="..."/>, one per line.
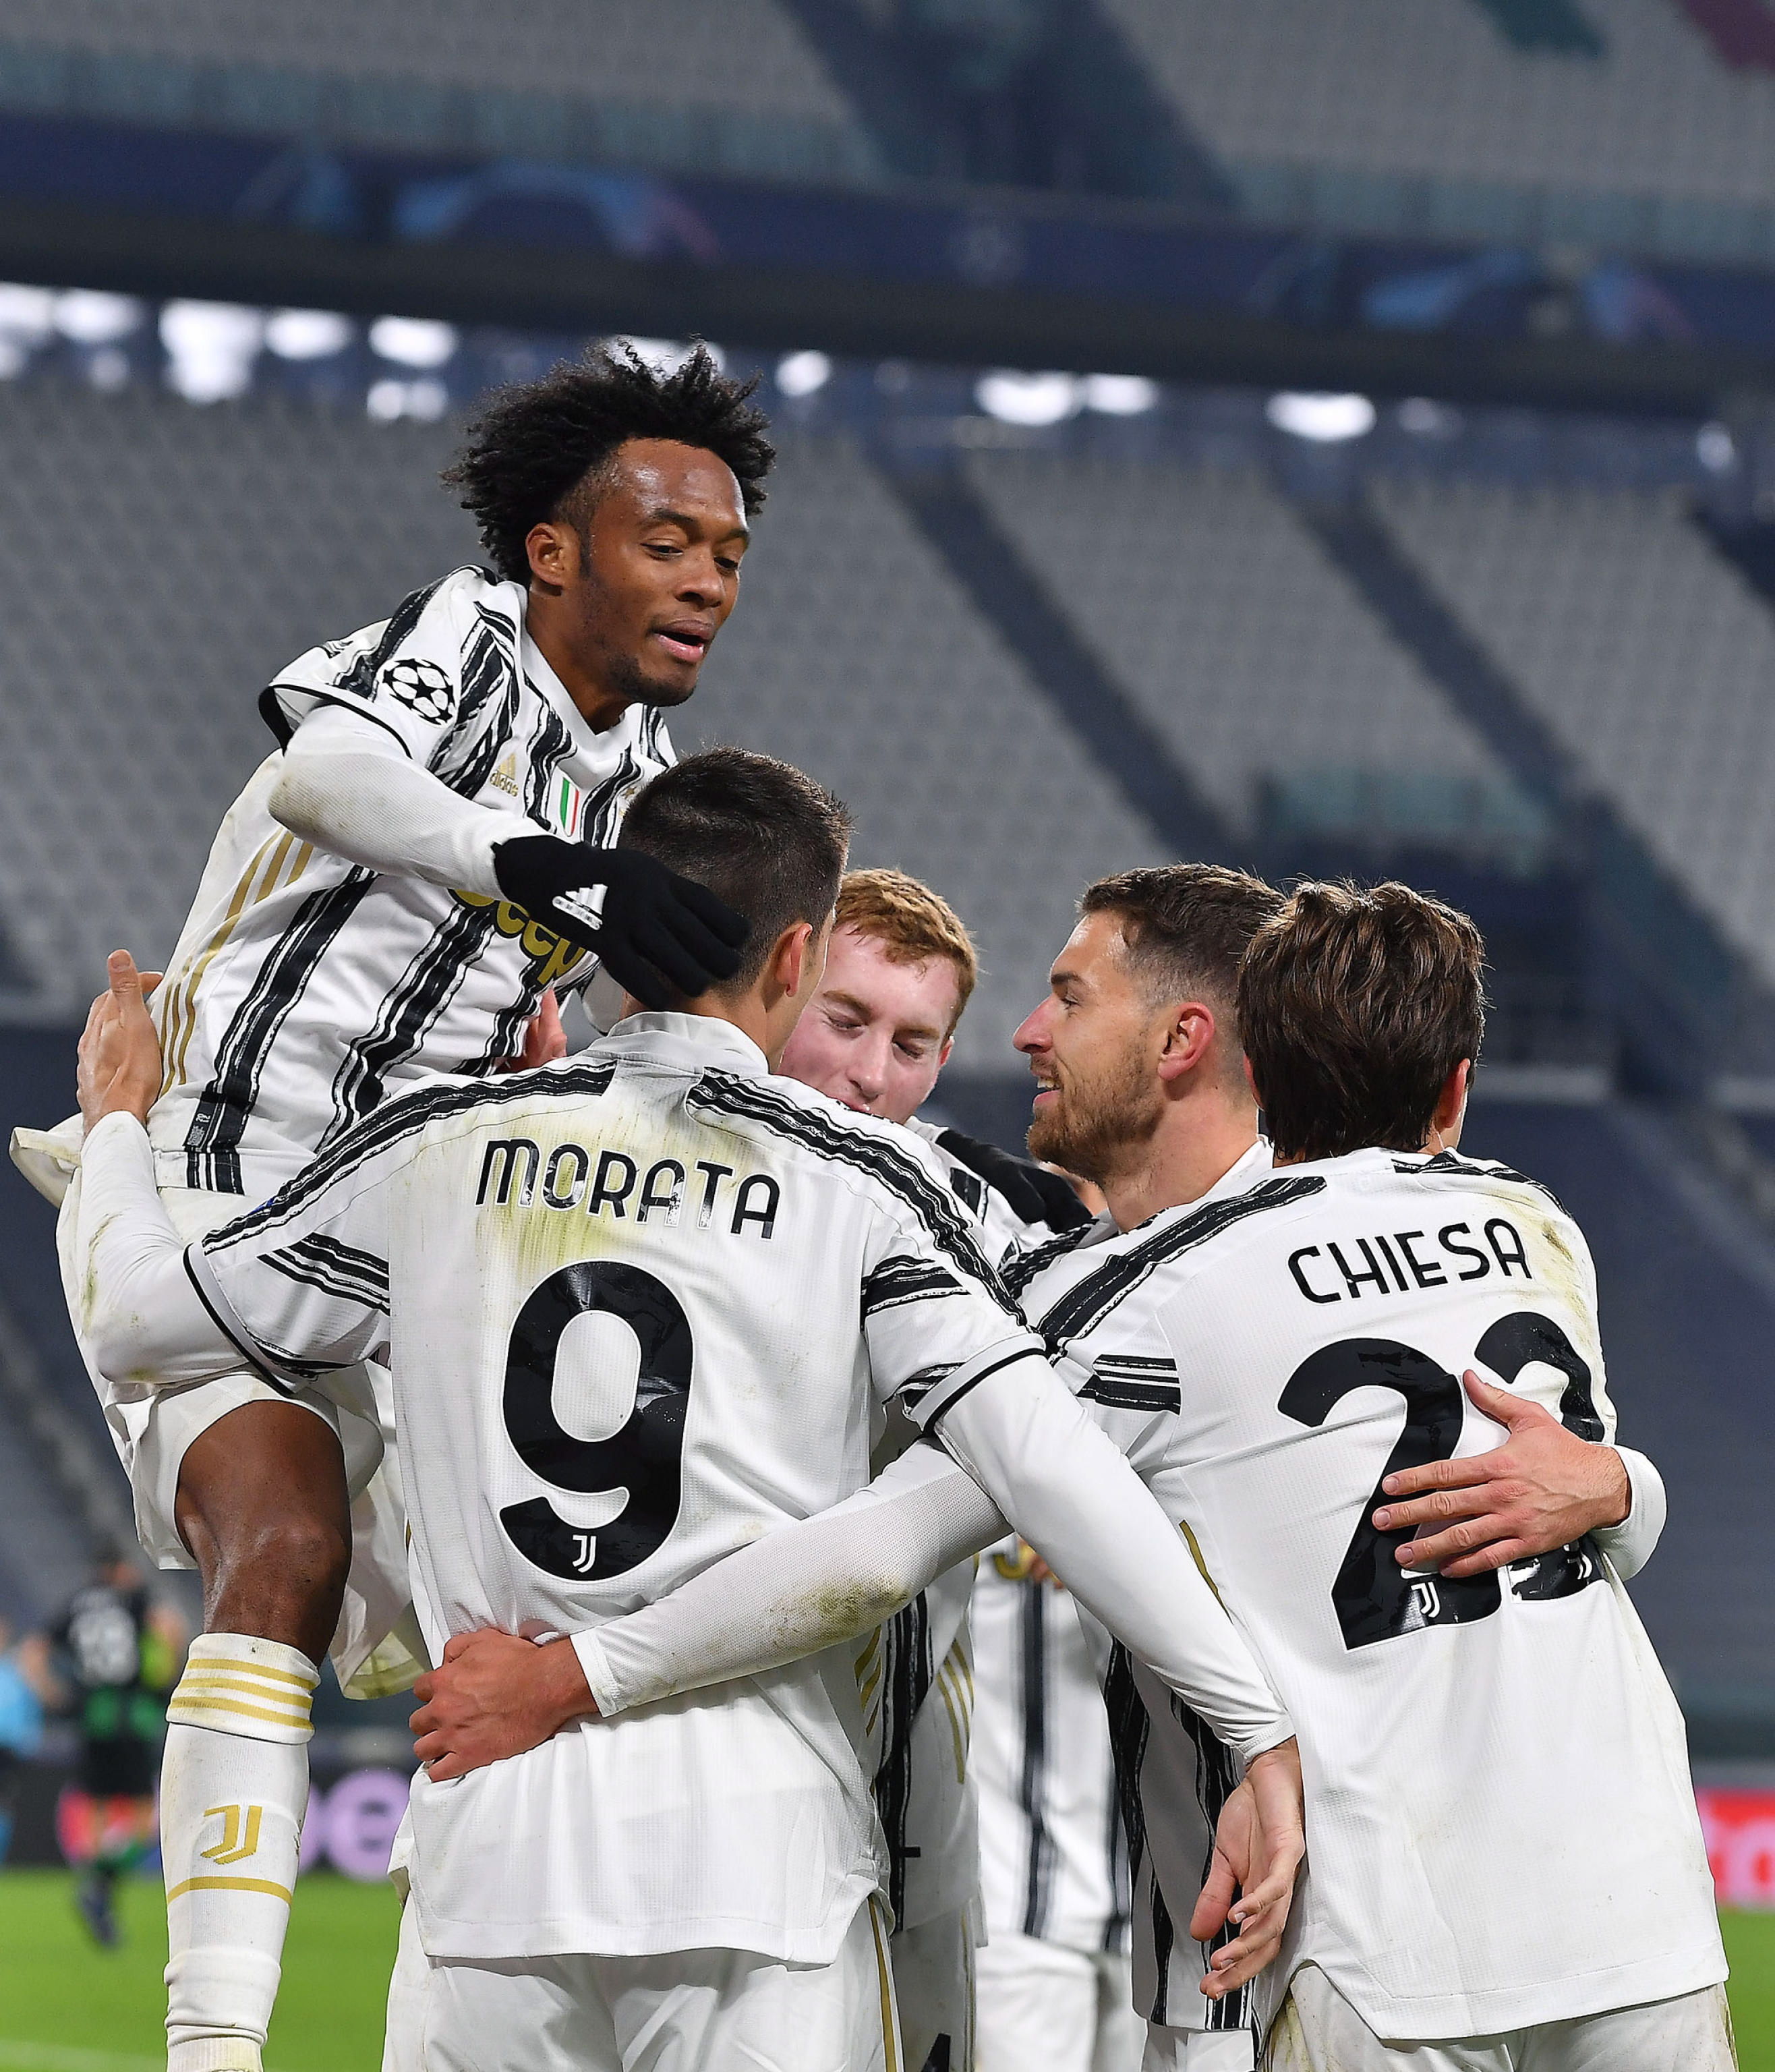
<point x="732" y="1278"/>
<point x="390" y="896"/>
<point x="1484" y="1893"/>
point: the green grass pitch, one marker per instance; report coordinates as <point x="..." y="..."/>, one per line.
<point x="65" y="2007"/>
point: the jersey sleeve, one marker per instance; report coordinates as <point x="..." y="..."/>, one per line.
<point x="301" y="1284"/>
<point x="404" y="673"/>
<point x="1631" y="1544"/>
<point x="935" y="1315"/>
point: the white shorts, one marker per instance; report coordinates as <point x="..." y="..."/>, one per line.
<point x="934" y="1983"/>
<point x="1045" y="2008"/>
<point x="154" y="1428"/>
<point x="1198" y="2050"/>
<point x="1319" y="2031"/>
<point x="687" y="2011"/>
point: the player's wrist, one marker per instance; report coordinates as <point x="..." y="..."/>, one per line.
<point x="1616" y="1493"/>
<point x="559" y="1689"/>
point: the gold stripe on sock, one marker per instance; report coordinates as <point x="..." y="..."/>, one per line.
<point x="304" y="1682"/>
<point x="245" y="1687"/>
<point x="195" y="1712"/>
<point x="230" y="1884"/>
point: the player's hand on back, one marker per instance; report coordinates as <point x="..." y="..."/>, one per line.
<point x="120" y="1068"/>
<point x="1542" y="1489"/>
<point x="657" y="933"/>
<point x="1259" y="1841"/>
<point x="495" y="1695"/>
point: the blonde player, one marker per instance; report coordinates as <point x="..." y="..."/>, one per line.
<point x="875" y="1036"/>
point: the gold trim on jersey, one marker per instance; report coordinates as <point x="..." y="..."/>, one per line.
<point x="955" y="1683"/>
<point x="891" y="2009"/>
<point x="178" y="1018"/>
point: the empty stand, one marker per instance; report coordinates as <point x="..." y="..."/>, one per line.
<point x="162" y="562"/>
<point x="453" y="73"/>
<point x="1644" y="651"/>
<point x="856" y="653"/>
<point x="1221" y="619"/>
<point x="1431" y="91"/>
<point x="220" y="543"/>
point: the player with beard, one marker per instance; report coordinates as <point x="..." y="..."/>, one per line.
<point x="393" y="894"/>
<point x="1136" y="1054"/>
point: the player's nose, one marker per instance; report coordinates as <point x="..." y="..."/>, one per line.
<point x="1030" y="1034"/>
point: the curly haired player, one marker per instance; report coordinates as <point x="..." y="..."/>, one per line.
<point x="395" y="894"/>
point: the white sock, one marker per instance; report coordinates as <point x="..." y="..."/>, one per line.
<point x="234" y="1786"/>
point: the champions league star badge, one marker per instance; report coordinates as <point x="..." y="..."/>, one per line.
<point x="422" y="687"/>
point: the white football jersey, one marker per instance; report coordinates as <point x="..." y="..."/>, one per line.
<point x="1053" y="1862"/>
<point x="303" y="987"/>
<point x="918" y="1671"/>
<point x="640" y="1307"/>
<point x="1501" y="1826"/>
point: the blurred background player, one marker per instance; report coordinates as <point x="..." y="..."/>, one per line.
<point x="1052" y="1987"/>
<point x="121" y="1653"/>
<point x="395" y="895"/>
<point x="28" y="1686"/>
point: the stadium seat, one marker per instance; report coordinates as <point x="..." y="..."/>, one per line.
<point x="856" y="653"/>
<point x="659" y="81"/>
<point x="1376" y="111"/>
<point x="1216" y="611"/>
<point x="1644" y="651"/>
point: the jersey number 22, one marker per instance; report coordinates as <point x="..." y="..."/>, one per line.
<point x="1373" y="1598"/>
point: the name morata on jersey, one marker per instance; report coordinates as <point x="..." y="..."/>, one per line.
<point x="640" y="1307"/>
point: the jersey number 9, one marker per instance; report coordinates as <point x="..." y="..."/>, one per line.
<point x="645" y="1456"/>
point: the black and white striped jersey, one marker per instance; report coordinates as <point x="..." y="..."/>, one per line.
<point x="304" y="988"/>
<point x="1264" y="1358"/>
<point x="641" y="1307"/>
<point x="1053" y="1862"/>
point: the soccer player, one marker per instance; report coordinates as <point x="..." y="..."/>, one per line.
<point x="1053" y="1984"/>
<point x="642" y="1306"/>
<point x="121" y="1655"/>
<point x="876" y="1035"/>
<point x="1497" y="1894"/>
<point x="392" y="895"/>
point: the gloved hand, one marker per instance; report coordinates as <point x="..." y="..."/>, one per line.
<point x="1035" y="1195"/>
<point x="655" y="932"/>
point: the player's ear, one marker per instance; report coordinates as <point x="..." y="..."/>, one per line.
<point x="554" y="554"/>
<point x="797" y="961"/>
<point x="1450" y="1115"/>
<point x="1189" y="1031"/>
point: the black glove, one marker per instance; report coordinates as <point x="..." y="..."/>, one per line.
<point x="1035" y="1195"/>
<point x="655" y="933"/>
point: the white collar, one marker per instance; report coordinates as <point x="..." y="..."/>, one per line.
<point x="690" y="1042"/>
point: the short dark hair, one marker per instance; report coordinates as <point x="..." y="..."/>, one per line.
<point x="760" y="834"/>
<point x="533" y="445"/>
<point x="1356" y="1005"/>
<point x="1186" y="927"/>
